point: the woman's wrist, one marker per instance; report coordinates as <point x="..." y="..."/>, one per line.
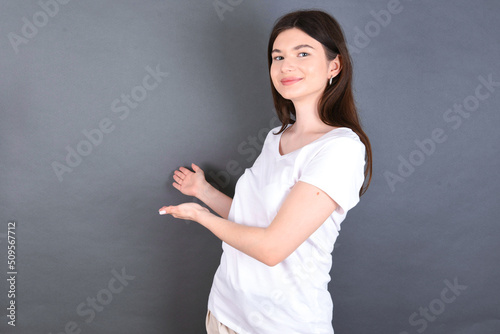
<point x="201" y="216"/>
<point x="203" y="192"/>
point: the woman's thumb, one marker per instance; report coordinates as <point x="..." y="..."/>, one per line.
<point x="195" y="167"/>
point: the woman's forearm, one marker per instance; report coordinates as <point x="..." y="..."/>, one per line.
<point x="251" y="240"/>
<point x="215" y="199"/>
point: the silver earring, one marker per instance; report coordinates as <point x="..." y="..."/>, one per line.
<point x="331" y="79"/>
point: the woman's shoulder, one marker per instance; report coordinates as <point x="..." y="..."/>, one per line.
<point x="342" y="134"/>
<point x="342" y="139"/>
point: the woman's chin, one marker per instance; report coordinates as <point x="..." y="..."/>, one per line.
<point x="288" y="96"/>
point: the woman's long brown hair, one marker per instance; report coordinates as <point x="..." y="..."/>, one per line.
<point x="337" y="106"/>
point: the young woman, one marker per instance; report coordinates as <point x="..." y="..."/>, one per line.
<point x="279" y="229"/>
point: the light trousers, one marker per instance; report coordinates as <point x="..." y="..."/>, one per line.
<point x="214" y="326"/>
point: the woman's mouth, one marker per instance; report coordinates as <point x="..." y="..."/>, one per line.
<point x="290" y="81"/>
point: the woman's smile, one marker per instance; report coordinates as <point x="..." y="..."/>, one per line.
<point x="290" y="81"/>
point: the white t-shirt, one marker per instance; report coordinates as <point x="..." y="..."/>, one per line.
<point x="291" y="297"/>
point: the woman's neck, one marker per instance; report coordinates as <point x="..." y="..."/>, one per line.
<point x="307" y="119"/>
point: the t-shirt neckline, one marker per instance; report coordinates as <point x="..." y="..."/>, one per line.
<point x="279" y="155"/>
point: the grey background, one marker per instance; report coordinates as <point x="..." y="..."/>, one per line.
<point x="397" y="247"/>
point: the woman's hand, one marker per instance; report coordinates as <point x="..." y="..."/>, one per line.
<point x="190" y="211"/>
<point x="190" y="183"/>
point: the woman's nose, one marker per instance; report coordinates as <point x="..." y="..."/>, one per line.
<point x="287" y="65"/>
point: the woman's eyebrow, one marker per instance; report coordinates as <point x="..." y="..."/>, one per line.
<point x="295" y="48"/>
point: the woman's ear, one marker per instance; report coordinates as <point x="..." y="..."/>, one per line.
<point x="334" y="67"/>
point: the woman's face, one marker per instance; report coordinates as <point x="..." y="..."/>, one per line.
<point x="299" y="69"/>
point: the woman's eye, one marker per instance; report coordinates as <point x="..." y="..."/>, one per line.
<point x="278" y="58"/>
<point x="303" y="54"/>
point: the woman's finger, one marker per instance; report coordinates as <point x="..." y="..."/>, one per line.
<point x="163" y="210"/>
<point x="184" y="170"/>
<point x="180" y="174"/>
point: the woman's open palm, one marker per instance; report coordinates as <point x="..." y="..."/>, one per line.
<point x="187" y="182"/>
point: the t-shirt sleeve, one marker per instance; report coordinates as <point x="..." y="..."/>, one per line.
<point x="338" y="170"/>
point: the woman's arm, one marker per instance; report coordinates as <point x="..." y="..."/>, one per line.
<point x="194" y="184"/>
<point x="304" y="210"/>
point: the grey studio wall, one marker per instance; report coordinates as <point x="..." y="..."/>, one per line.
<point x="100" y="101"/>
